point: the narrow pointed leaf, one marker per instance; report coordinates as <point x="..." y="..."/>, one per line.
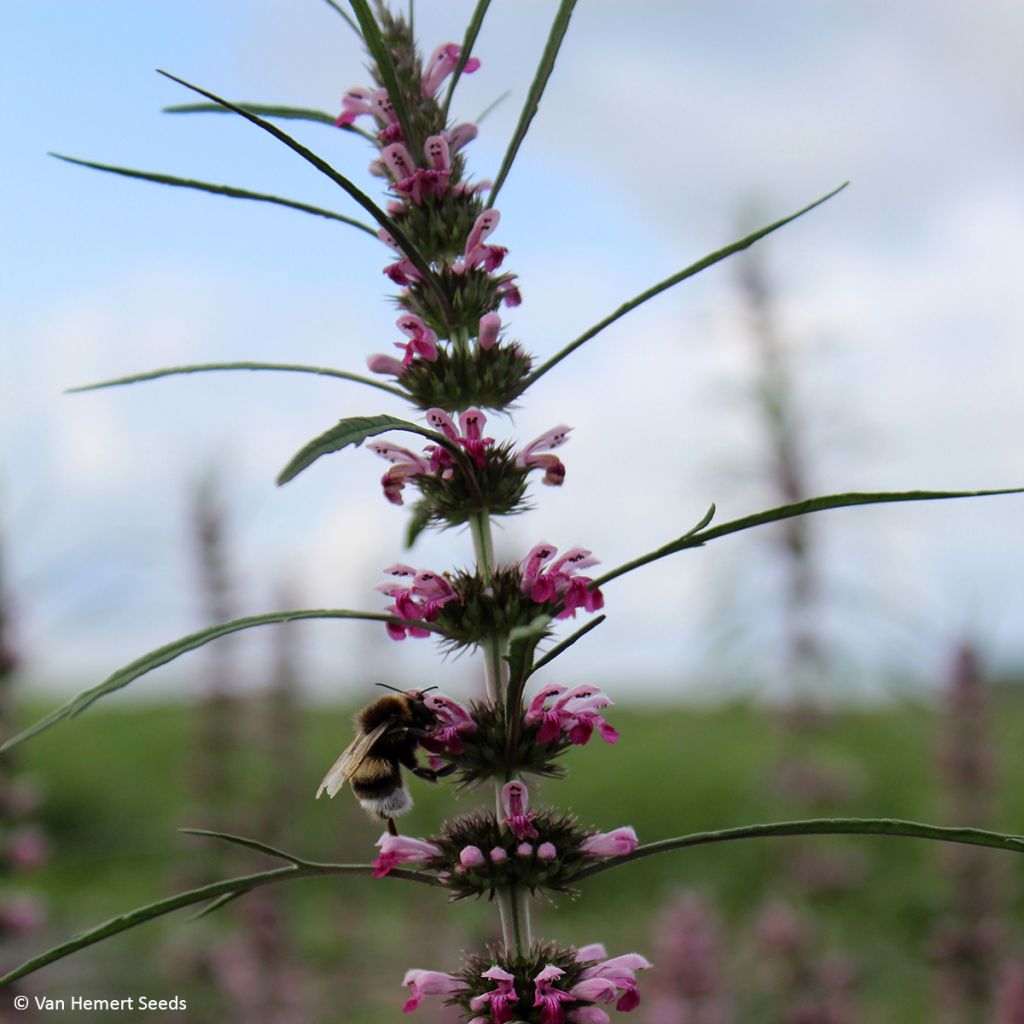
<point x="354" y="431"/>
<point x="220" y="190"/>
<point x="261" y="109"/>
<point x="249" y="844"/>
<point x="561" y="648"/>
<point x="468" y="42"/>
<point x="694" y="268"/>
<point x="400" y="237"/>
<point x="348" y="17"/>
<point x="162" y="655"/>
<point x="172" y="371"/>
<point x="217" y="891"/>
<point x="492" y="106"/>
<point x="698" y="537"/>
<point x="818" y="827"/>
<point x="214" y="905"/>
<point x="540" y="80"/>
<point x="386" y="66"/>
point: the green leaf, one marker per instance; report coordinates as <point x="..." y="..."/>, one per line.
<point x="468" y="42"/>
<point x="540" y="80"/>
<point x="817" y="827"/>
<point x="348" y="18"/>
<point x="262" y="109"/>
<point x="352" y="431"/>
<point x="171" y="371"/>
<point x="562" y="647"/>
<point x="220" y="190"/>
<point x="217" y="891"/>
<point x="249" y="844"/>
<point x="389" y="76"/>
<point x="400" y="237"/>
<point x="493" y="105"/>
<point x="694" y="268"/>
<point x="697" y="537"/>
<point x="162" y="655"/>
<point x="214" y="905"/>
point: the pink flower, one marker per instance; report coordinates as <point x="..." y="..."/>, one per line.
<point x="554" y="471"/>
<point x="423" y="599"/>
<point x="514" y="798"/>
<point x="589" y="1015"/>
<point x="385" y="364"/>
<point x="616" y="843"/>
<point x="461" y="135"/>
<point x="578" y="713"/>
<point x="476" y="253"/>
<point x="417" y="183"/>
<point x="406" y="465"/>
<point x="594" y="990"/>
<point x="621" y="970"/>
<point x="490" y="324"/>
<point x="588" y="954"/>
<point x="560" y="579"/>
<point x="395" y="850"/>
<point x="359" y="101"/>
<point x="546" y="851"/>
<point x="21" y="915"/>
<point x="472" y="857"/>
<point x="429" y="983"/>
<point x="471" y="437"/>
<point x="27" y="848"/>
<point x="453" y="721"/>
<point x="551" y="720"/>
<point x="498" y="999"/>
<point x="498" y="855"/>
<point x="422" y="340"/>
<point x="441" y="64"/>
<point x="549" y="997"/>
<point x="524" y="850"/>
<point x="509" y="292"/>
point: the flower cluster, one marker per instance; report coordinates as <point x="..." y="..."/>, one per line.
<point x="548" y="985"/>
<point x="469" y="611"/>
<point x="492" y="477"/>
<point x="479" y="854"/>
<point x="443" y="217"/>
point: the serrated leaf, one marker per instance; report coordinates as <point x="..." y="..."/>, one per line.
<point x="352" y="431"/>
<point x="694" y="268"/>
<point x="697" y="537"/>
<point x="220" y="190"/>
<point x="217" y="891"/>
<point x="400" y="237"/>
<point x="468" y="42"/>
<point x="540" y="79"/>
<point x="162" y="655"/>
<point x="171" y="371"/>
<point x="817" y="827"/>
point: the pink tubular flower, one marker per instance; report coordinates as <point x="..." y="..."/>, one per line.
<point x="621" y="971"/>
<point x="560" y="579"/>
<point x="441" y="64"/>
<point x="616" y="843"/>
<point x="460" y="136"/>
<point x="395" y="850"/>
<point x="422" y="599"/>
<point x="476" y="253"/>
<point x="406" y="465"/>
<point x="471" y="437"/>
<point x="549" y="997"/>
<point x="498" y="855"/>
<point x="490" y="324"/>
<point x="380" y="363"/>
<point x="357" y="102"/>
<point x="498" y="999"/>
<point x="550" y="720"/>
<point x="515" y="798"/>
<point x="578" y="714"/>
<point x="589" y="1015"/>
<point x="429" y="983"/>
<point x="588" y="954"/>
<point x="528" y="458"/>
<point x="422" y="340"/>
<point x="453" y="721"/>
<point x="546" y="851"/>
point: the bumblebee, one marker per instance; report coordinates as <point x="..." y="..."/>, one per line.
<point x="387" y="734"/>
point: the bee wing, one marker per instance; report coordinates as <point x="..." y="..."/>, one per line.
<point x="351" y="758"/>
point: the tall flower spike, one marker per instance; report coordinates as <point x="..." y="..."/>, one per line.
<point x="514" y="798"/>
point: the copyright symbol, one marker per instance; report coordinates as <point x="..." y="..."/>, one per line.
<point x="21" y="1002"/>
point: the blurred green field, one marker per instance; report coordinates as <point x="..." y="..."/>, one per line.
<point x="116" y="791"/>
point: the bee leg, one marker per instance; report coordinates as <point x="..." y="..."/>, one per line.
<point x="392" y="827"/>
<point x="425" y="773"/>
<point x="446" y="770"/>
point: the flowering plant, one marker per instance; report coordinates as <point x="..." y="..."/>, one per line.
<point x="457" y="361"/>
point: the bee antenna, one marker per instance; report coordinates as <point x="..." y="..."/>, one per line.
<point x="389" y="687"/>
<point x="427" y="690"/>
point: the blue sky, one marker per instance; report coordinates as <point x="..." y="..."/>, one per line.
<point x="664" y="127"/>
